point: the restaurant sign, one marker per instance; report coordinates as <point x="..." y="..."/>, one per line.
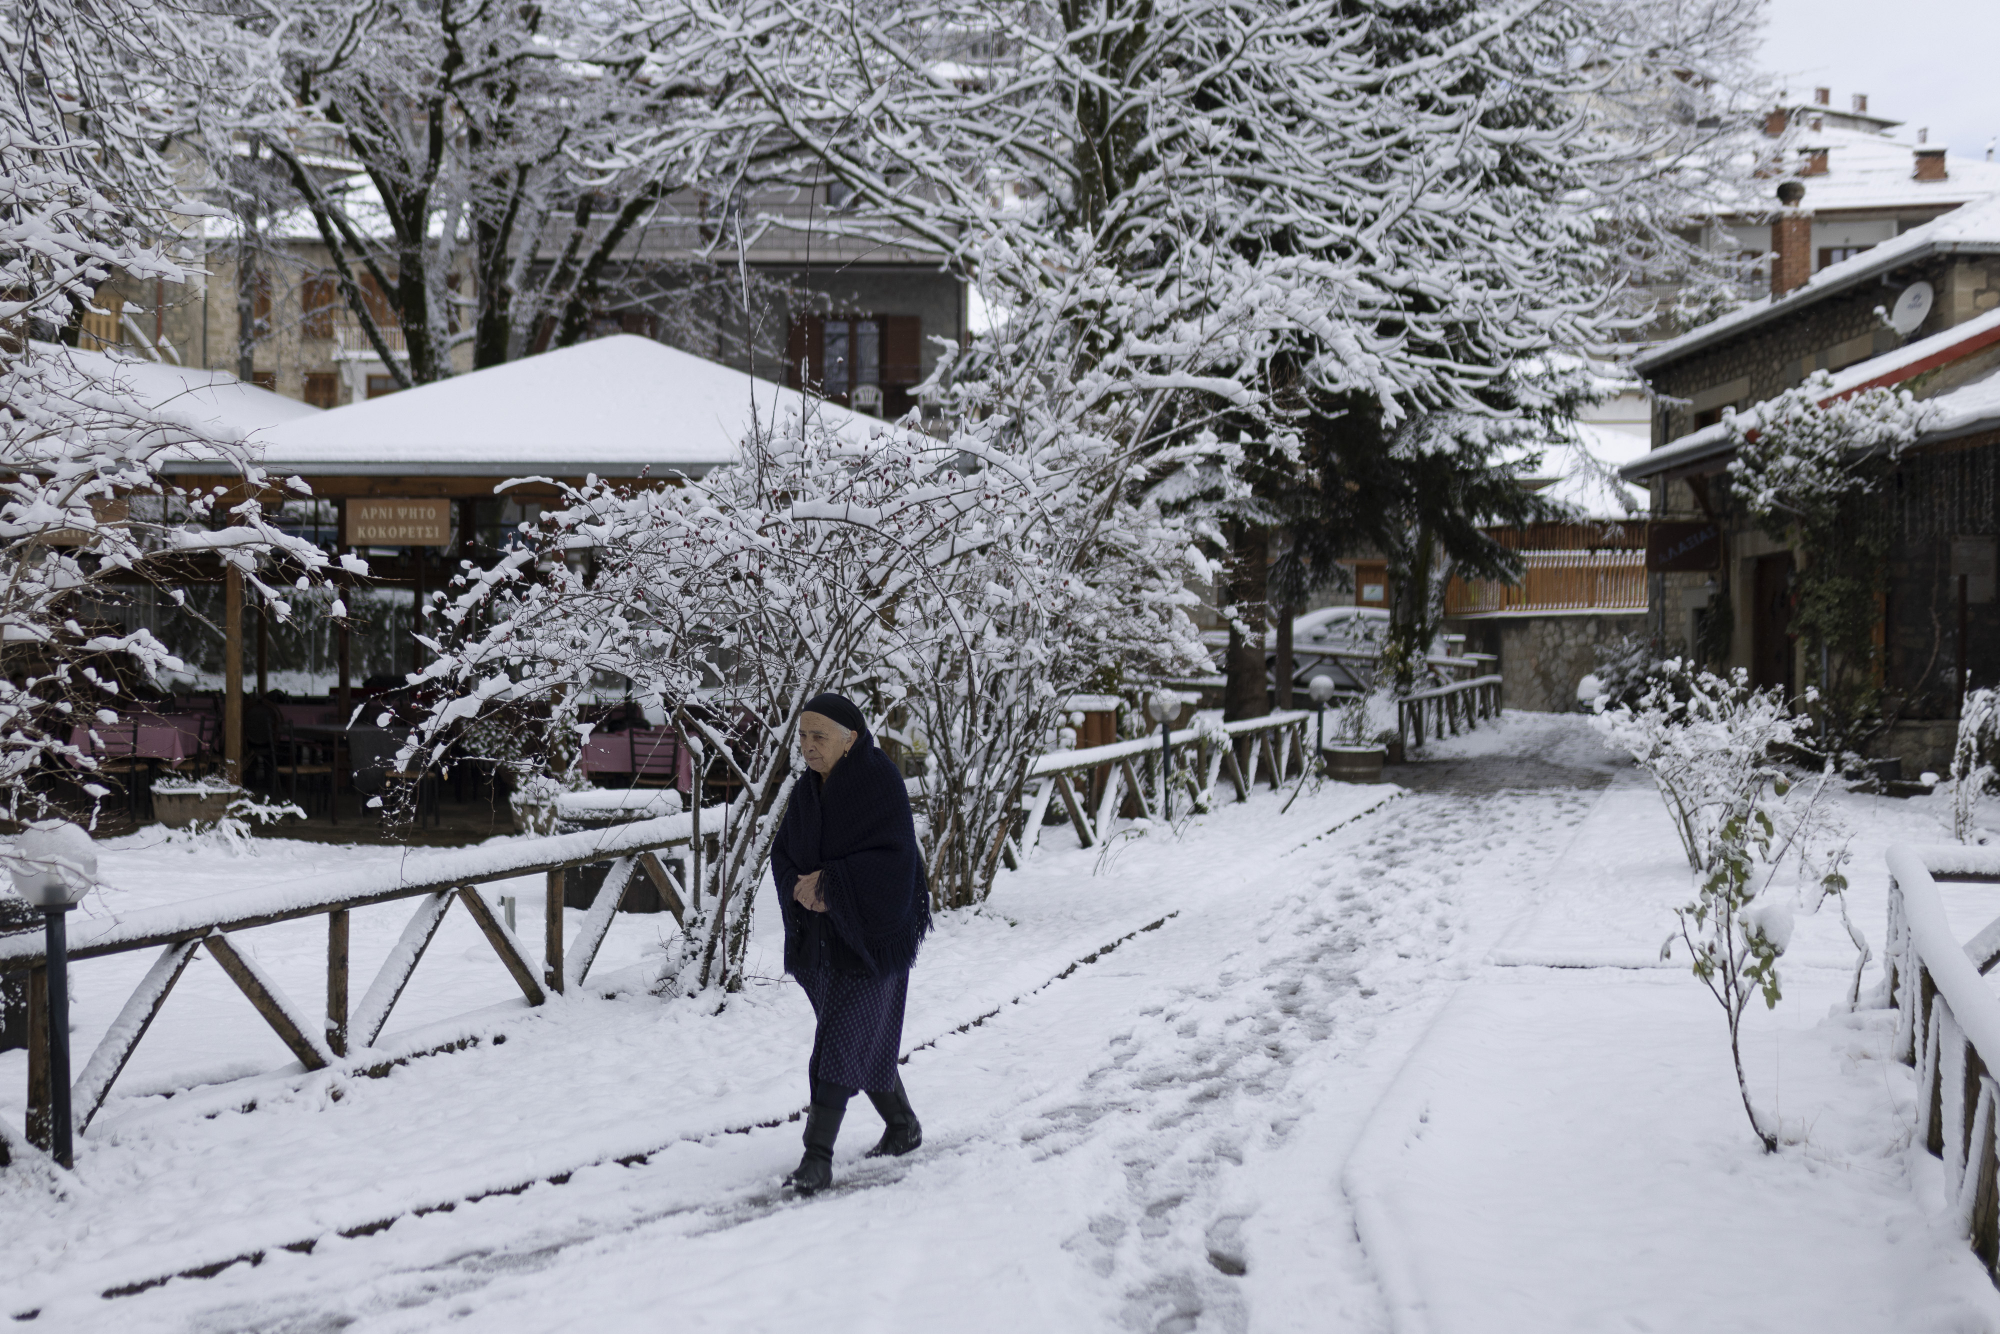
<point x="398" y="523"/>
<point x="1683" y="547"/>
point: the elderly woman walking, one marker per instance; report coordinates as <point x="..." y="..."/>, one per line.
<point x="856" y="906"/>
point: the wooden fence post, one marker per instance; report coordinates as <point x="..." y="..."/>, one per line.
<point x="336" y="981"/>
<point x="552" y="938"/>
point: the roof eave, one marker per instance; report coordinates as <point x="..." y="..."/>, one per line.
<point x="1646" y="362"/>
<point x="539" y="468"/>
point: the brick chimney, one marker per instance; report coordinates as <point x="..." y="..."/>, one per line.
<point x="1861" y="104"/>
<point x="1812" y="161"/>
<point x="1823" y="96"/>
<point x="1930" y="165"/>
<point x="1791" y="242"/>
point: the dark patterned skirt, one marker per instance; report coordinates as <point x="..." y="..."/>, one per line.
<point x="860" y="1028"/>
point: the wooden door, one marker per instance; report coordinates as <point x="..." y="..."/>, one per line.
<point x="1771" y="620"/>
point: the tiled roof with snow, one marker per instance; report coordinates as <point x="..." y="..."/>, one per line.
<point x="1870" y="171"/>
<point x="1968" y="407"/>
<point x="1974" y="227"/>
<point x="209" y="403"/>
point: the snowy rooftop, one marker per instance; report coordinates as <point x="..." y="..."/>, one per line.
<point x="1583" y="472"/>
<point x="1872" y="171"/>
<point x="614" y="406"/>
<point x="1969" y="407"/>
<point x="1973" y="228"/>
<point x="210" y="403"/>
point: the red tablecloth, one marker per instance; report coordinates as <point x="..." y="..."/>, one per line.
<point x="173" y="737"/>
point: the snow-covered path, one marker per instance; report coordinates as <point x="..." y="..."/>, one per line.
<point x="1152" y="1141"/>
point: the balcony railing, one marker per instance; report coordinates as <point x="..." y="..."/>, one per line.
<point x="1557" y="581"/>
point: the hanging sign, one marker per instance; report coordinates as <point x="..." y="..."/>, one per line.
<point x="398" y="523"/>
<point x="1683" y="547"/>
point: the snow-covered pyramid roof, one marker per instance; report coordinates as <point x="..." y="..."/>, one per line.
<point x="614" y="406"/>
<point x="214" y="404"/>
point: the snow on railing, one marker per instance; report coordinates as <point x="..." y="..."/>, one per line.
<point x="1447" y="704"/>
<point x="1272" y="746"/>
<point x="1948" y="1026"/>
<point x="1107" y="775"/>
<point x="435" y="879"/>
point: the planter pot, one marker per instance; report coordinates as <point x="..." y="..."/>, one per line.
<point x="188" y="807"/>
<point x="1354" y="764"/>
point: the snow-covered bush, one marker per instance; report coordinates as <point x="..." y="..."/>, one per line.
<point x="1807" y="467"/>
<point x="958" y="590"/>
<point x="1971" y="758"/>
<point x="1710" y="745"/>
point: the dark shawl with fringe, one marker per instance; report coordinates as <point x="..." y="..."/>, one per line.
<point x="854" y="827"/>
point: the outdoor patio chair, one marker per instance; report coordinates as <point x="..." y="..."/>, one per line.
<point x="269" y="737"/>
<point x="656" y="757"/>
<point x="116" y="749"/>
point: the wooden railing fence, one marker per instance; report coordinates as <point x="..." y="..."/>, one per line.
<point x="1274" y="745"/>
<point x="1446" y="707"/>
<point x="1948" y="1027"/>
<point x="434" y="879"/>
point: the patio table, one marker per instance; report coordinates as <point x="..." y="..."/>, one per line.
<point x="172" y="737"/>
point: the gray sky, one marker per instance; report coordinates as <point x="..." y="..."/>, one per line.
<point x="1932" y="63"/>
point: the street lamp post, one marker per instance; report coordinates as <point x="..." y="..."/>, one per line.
<point x="54" y="866"/>
<point x="1321" y="690"/>
<point x="1165" y="706"/>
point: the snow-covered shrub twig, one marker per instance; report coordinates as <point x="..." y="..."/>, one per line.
<point x="1971" y="774"/>
<point x="1709" y="743"/>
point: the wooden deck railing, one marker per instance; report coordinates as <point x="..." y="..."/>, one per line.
<point x="434" y="879"/>
<point x="1948" y="1026"/>
<point x="1446" y="706"/>
<point x="1557" y="581"/>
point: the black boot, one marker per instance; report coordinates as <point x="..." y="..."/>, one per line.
<point x="815" y="1170"/>
<point x="901" y="1132"/>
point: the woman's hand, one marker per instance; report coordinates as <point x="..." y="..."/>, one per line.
<point x="806" y="891"/>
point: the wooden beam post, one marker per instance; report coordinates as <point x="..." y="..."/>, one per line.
<point x="336" y="981"/>
<point x="93" y="1086"/>
<point x="552" y="934"/>
<point x="250" y="980"/>
<point x="232" y="674"/>
<point x="503" y="943"/>
<point x="263" y="650"/>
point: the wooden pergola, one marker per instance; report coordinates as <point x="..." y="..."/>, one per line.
<point x="405" y="470"/>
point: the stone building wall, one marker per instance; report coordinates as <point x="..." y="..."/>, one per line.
<point x="1837" y="331"/>
<point x="1543" y="657"/>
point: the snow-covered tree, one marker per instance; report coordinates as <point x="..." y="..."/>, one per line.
<point x="1711" y="745"/>
<point x="84" y="512"/>
<point x="467" y="168"/>
<point x="1263" y="214"/>
<point x="957" y="590"/>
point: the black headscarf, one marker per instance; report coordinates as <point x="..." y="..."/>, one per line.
<point x="854" y="827"/>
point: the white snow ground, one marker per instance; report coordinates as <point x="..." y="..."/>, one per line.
<point x="1337" y="1008"/>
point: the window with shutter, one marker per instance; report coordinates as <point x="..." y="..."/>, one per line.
<point x="322" y="389"/>
<point x="101" y="326"/>
<point x="319" y="301"/>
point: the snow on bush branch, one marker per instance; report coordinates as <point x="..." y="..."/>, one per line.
<point x="956" y="589"/>
<point x="1799" y="453"/>
<point x="1712" y="746"/>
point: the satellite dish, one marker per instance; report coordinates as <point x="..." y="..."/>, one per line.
<point x="1912" y="307"/>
